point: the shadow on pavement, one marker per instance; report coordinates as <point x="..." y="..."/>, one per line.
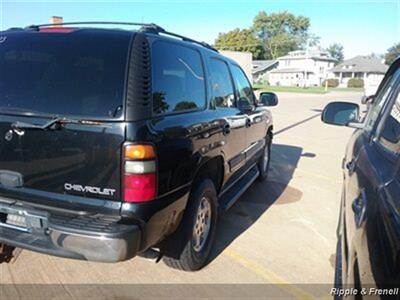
<point x="308" y="155"/>
<point x="296" y="124"/>
<point x="260" y="196"/>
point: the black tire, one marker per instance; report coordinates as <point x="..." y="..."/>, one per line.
<point x="191" y="259"/>
<point x="263" y="167"/>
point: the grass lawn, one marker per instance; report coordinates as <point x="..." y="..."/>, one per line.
<point x="309" y="90"/>
<point x="346" y="89"/>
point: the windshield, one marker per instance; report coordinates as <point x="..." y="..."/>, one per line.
<point x="78" y="73"/>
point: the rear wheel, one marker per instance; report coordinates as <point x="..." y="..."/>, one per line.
<point x="263" y="164"/>
<point x="197" y="228"/>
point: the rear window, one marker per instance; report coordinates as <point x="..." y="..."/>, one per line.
<point x="78" y="73"/>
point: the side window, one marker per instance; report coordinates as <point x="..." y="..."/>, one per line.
<point x="390" y="135"/>
<point x="244" y="90"/>
<point x="380" y="100"/>
<point x="178" y="78"/>
<point x="221" y="83"/>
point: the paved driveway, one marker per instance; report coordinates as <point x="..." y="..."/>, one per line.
<point x="281" y="231"/>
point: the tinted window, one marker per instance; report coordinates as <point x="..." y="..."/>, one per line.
<point x="391" y="131"/>
<point x="178" y="78"/>
<point x="379" y="101"/>
<point x="64" y="74"/>
<point x="222" y="87"/>
<point x="244" y="90"/>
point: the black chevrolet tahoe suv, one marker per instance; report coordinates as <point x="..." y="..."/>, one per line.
<point x="117" y="142"/>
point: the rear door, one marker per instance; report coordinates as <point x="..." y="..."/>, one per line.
<point x="76" y="74"/>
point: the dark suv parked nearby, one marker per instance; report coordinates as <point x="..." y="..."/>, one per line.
<point x="115" y="142"/>
<point x="368" y="253"/>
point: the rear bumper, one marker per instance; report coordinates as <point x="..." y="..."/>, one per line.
<point x="93" y="238"/>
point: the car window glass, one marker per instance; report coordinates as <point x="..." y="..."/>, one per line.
<point x="221" y="83"/>
<point x="64" y="74"/>
<point x="244" y="90"/>
<point x="379" y="102"/>
<point x="390" y="136"/>
<point x="178" y="78"/>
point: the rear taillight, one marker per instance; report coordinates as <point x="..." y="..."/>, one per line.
<point x="140" y="178"/>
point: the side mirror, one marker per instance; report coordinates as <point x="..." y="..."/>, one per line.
<point x="268" y="99"/>
<point x="367" y="99"/>
<point x="341" y="114"/>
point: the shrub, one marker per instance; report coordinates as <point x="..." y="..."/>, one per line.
<point x="266" y="82"/>
<point x="332" y="82"/>
<point x="355" y="83"/>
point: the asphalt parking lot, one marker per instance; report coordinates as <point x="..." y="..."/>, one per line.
<point x="280" y="231"/>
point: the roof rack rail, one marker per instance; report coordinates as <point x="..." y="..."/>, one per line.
<point x="14" y="29"/>
<point x="186" y="39"/>
<point x="150" y="26"/>
<point x="146" y="27"/>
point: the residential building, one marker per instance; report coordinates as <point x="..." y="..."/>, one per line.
<point x="261" y="68"/>
<point x="56" y="20"/>
<point x="302" y="68"/>
<point x="370" y="69"/>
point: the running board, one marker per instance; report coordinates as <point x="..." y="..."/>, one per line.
<point x="229" y="197"/>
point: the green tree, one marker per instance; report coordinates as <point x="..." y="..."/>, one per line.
<point x="336" y="51"/>
<point x="240" y="40"/>
<point x="159" y="102"/>
<point x="392" y="53"/>
<point x="281" y="32"/>
<point x="185" y="105"/>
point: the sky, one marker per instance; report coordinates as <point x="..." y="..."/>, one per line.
<point x="362" y="27"/>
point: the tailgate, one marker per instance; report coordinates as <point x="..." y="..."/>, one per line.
<point x="77" y="75"/>
<point x="82" y="160"/>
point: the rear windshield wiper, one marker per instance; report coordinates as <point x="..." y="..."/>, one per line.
<point x="52" y="125"/>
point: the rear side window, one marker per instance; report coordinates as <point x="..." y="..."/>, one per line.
<point x="61" y="74"/>
<point x="222" y="87"/>
<point x="178" y="78"/>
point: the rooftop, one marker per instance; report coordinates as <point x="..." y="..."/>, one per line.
<point x="312" y="53"/>
<point x="262" y="65"/>
<point x="58" y="26"/>
<point x="363" y="64"/>
<point x="291" y="70"/>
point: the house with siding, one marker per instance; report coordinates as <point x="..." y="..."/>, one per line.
<point x="302" y="68"/>
<point x="370" y="69"/>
